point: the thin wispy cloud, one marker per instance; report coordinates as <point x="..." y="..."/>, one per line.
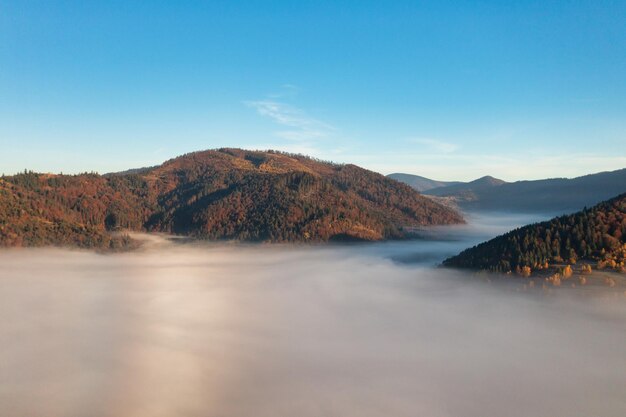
<point x="286" y="90"/>
<point x="282" y="113"/>
<point x="436" y="145"/>
<point x="302" y="127"/>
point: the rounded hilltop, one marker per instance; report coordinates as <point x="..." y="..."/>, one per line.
<point x="235" y="194"/>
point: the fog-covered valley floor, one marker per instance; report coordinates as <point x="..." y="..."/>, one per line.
<point x="245" y="330"/>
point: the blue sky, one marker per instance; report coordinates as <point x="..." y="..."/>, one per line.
<point x="448" y="90"/>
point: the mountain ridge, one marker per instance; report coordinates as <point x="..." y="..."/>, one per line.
<point x="420" y="183"/>
<point x="224" y="193"/>
<point x="555" y="195"/>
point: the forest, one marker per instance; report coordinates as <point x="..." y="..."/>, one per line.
<point x="596" y="234"/>
<point x="217" y="194"/>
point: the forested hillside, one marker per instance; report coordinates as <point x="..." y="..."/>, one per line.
<point x="220" y="194"/>
<point x="596" y="234"/>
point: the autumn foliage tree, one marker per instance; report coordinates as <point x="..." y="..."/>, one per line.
<point x="220" y="194"/>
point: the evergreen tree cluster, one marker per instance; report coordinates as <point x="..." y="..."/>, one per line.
<point x="597" y="233"/>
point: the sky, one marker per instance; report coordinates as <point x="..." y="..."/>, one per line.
<point x="451" y="90"/>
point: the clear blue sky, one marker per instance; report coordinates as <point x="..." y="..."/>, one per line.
<point x="449" y="90"/>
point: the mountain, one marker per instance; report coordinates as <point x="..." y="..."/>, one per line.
<point x="559" y="195"/>
<point x="468" y="191"/>
<point x="597" y="233"/>
<point x="421" y="184"/>
<point x="216" y="194"/>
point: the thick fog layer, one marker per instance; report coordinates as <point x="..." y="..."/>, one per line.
<point x="231" y="330"/>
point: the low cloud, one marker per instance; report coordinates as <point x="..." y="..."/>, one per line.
<point x="243" y="330"/>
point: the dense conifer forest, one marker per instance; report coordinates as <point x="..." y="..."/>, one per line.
<point x="596" y="234"/>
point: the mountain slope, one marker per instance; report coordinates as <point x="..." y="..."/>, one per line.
<point x="469" y="191"/>
<point x="218" y="194"/>
<point x="421" y="184"/>
<point x="553" y="195"/>
<point x="33" y="213"/>
<point x="598" y="233"/>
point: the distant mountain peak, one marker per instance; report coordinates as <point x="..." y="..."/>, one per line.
<point x="487" y="180"/>
<point x="553" y="195"/>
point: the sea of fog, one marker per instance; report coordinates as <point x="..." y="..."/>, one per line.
<point x="264" y="330"/>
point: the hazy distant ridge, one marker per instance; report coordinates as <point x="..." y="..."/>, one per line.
<point x="421" y="184"/>
<point x="559" y="195"/>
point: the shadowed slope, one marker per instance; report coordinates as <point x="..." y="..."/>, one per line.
<point x="598" y="233"/>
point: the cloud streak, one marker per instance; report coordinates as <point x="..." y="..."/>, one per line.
<point x="436" y="145"/>
<point x="302" y="127"/>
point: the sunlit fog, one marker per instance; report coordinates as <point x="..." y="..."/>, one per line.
<point x="261" y="330"/>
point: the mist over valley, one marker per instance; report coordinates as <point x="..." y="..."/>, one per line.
<point x="210" y="329"/>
